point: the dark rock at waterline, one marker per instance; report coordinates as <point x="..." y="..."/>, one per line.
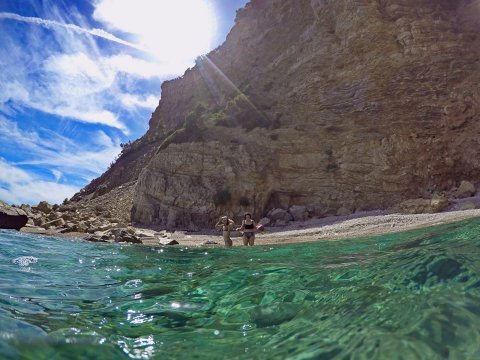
<point x="124" y="235"/>
<point x="94" y="238"/>
<point x="168" y="242"/>
<point x="11" y="218"/>
<point x="210" y="242"/>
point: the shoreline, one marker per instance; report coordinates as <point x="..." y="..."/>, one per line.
<point x="325" y="229"/>
<point x="338" y="228"/>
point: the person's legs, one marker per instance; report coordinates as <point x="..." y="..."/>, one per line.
<point x="248" y="238"/>
<point x="226" y="239"/>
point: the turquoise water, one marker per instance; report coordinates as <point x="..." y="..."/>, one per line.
<point x="412" y="295"/>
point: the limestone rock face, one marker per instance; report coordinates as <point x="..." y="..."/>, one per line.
<point x="328" y="104"/>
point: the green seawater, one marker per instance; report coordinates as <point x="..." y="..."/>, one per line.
<point x="411" y="295"/>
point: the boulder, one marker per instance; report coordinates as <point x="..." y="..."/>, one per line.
<point x="299" y="213"/>
<point x="265" y="221"/>
<point x="71" y="227"/>
<point x="144" y="233"/>
<point x="44" y="207"/>
<point x="168" y="242"/>
<point x="468" y="205"/>
<point x="343" y="211"/>
<point x="131" y="239"/>
<point x="12" y="218"/>
<point x="38" y="229"/>
<point x="280" y="214"/>
<point x="67" y="216"/>
<point x="82" y="226"/>
<point x="38" y="220"/>
<point x="466" y="189"/>
<point x="123" y="235"/>
<point x="94" y="238"/>
<point x="104" y="235"/>
<point x="281" y="223"/>
<point x="28" y="210"/>
<point x="54" y="223"/>
<point x="54" y="215"/>
<point x="210" y="242"/>
<point x="107" y="226"/>
<point x="421" y="206"/>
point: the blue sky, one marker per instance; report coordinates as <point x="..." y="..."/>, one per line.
<point x="79" y="77"/>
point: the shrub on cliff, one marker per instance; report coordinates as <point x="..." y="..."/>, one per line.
<point x="190" y="132"/>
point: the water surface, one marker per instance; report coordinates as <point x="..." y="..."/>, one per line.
<point x="411" y="295"/>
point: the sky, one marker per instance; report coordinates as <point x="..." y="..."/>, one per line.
<point x="80" y="77"/>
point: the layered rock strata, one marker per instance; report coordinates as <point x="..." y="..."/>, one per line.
<point x="336" y="105"/>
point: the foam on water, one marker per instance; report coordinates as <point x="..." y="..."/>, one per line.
<point x="25" y="260"/>
<point x="412" y="295"/>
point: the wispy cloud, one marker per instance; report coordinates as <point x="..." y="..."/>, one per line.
<point x="58" y="174"/>
<point x="94" y="84"/>
<point x="69" y="75"/>
<point x="51" y="24"/>
<point x="19" y="186"/>
<point x="59" y="154"/>
<point x="132" y="101"/>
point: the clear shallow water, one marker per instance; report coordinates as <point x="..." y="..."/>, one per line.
<point x="413" y="295"/>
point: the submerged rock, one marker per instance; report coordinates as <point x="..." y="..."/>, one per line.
<point x="11" y="217"/>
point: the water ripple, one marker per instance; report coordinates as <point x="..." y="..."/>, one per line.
<point x="413" y="293"/>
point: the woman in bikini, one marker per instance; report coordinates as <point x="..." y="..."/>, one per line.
<point x="226" y="225"/>
<point x="248" y="227"/>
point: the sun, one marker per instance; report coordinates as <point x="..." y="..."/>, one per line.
<point x="173" y="31"/>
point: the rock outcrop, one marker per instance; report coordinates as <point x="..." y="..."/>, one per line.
<point x="12" y="217"/>
<point x="334" y="105"/>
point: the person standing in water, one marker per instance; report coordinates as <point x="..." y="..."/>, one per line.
<point x="248" y="227"/>
<point x="226" y="225"/>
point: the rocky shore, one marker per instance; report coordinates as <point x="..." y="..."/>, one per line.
<point x="104" y="219"/>
<point x="327" y="229"/>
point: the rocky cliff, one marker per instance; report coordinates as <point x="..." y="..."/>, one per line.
<point x="331" y="104"/>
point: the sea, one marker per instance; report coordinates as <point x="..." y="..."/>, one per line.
<point x="408" y="295"/>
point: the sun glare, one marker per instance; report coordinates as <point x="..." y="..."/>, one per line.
<point x="171" y="30"/>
